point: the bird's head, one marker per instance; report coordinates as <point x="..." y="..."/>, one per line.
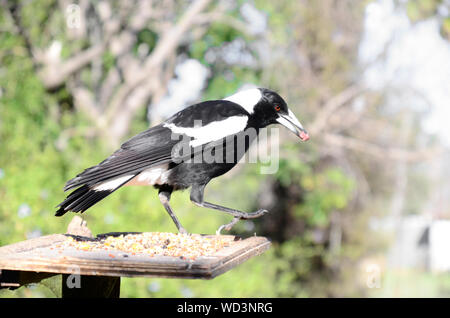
<point x="266" y="107"/>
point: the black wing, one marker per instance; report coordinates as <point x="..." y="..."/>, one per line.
<point x="149" y="148"/>
<point x="153" y="146"/>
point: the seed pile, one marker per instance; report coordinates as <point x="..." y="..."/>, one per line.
<point x="155" y="244"/>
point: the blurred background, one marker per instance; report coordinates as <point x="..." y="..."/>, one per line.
<point x="362" y="209"/>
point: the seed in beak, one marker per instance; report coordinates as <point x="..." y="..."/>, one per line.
<point x="304" y="135"/>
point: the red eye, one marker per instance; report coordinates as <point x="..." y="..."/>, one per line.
<point x="277" y="107"/>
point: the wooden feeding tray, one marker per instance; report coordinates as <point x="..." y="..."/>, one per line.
<point x="101" y="261"/>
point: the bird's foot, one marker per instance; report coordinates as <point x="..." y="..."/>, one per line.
<point x="182" y="230"/>
<point x="227" y="226"/>
<point x="242" y="216"/>
<point x="253" y="215"/>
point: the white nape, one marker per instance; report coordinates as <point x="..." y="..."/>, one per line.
<point x="112" y="184"/>
<point x="247" y="98"/>
<point x="212" y="131"/>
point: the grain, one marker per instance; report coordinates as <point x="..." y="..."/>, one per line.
<point x="184" y="246"/>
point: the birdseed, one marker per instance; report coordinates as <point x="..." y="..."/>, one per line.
<point x="189" y="246"/>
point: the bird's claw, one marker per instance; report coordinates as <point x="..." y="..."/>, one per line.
<point x="244" y="216"/>
<point x="253" y="215"/>
<point x="182" y="230"/>
<point x="228" y="226"/>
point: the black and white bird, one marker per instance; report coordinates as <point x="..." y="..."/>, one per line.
<point x="154" y="157"/>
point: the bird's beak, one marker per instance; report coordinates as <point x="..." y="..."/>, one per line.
<point x="291" y="122"/>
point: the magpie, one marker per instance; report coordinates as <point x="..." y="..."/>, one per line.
<point x="171" y="156"/>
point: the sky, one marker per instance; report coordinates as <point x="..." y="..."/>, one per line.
<point x="415" y="57"/>
<point x="185" y="88"/>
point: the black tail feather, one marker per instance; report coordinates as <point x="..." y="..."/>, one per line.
<point x="84" y="197"/>
<point x="81" y="199"/>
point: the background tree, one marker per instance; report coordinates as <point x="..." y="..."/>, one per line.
<point x="78" y="78"/>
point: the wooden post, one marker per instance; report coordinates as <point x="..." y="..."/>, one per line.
<point x="84" y="286"/>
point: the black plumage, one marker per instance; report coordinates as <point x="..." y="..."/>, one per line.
<point x="173" y="155"/>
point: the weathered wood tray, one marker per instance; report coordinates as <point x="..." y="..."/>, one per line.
<point x="40" y="256"/>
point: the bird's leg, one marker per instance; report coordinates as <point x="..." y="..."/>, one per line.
<point x="197" y="198"/>
<point x="233" y="212"/>
<point x="164" y="197"/>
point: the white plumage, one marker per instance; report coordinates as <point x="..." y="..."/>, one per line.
<point x="247" y="99"/>
<point x="212" y="131"/>
<point x="112" y="184"/>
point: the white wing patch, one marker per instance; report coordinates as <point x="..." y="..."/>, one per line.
<point x="112" y="184"/>
<point x="247" y="98"/>
<point x="212" y="131"/>
<point x="155" y="175"/>
<point x="151" y="176"/>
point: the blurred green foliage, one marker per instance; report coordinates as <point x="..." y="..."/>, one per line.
<point x="44" y="142"/>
